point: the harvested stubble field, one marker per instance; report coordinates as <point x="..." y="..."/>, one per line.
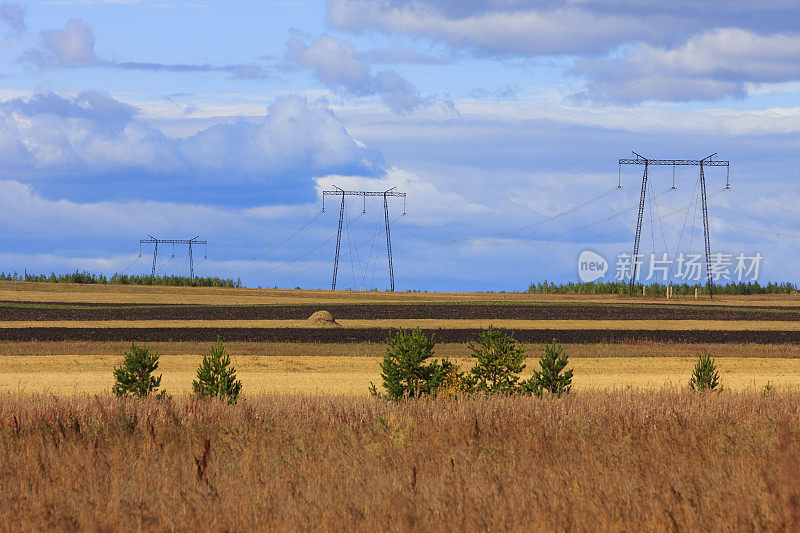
<point x="621" y="460"/>
<point x="66" y="339"/>
<point x="66" y="375"/>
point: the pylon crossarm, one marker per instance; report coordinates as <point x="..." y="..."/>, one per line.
<point x="673" y="162"/>
<point x="364" y="193"/>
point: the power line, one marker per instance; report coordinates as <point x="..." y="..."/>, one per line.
<point x="278" y="245"/>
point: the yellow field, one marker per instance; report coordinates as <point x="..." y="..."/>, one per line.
<point x="351" y="375"/>
<point x="72" y="293"/>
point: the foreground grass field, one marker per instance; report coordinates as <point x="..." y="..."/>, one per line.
<point x="623" y="460"/>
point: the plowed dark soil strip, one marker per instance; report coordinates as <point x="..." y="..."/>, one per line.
<point x="344" y="335"/>
<point x="394" y="311"/>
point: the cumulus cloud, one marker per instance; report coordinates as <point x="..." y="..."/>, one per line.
<point x="716" y="64"/>
<point x="335" y="64"/>
<point x="89" y="132"/>
<point x="92" y="133"/>
<point x="73" y="46"/>
<point x="294" y="134"/>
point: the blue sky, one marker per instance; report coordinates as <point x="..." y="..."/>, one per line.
<point x="502" y="120"/>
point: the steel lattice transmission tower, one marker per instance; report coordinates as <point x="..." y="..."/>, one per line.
<point x="364" y="194"/>
<point x="705" y="162"/>
<point x="173" y="242"/>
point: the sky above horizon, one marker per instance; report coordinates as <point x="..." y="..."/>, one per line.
<point x="502" y="120"/>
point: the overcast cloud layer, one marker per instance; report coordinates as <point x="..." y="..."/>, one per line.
<point x="502" y="120"/>
<point x="632" y="51"/>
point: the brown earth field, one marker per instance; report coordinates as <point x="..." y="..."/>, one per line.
<point x="53" y="311"/>
<point x="58" y="312"/>
<point x="366" y="334"/>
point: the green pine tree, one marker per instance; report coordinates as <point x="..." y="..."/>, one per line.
<point x="705" y="375"/>
<point x="215" y="376"/>
<point x="134" y="377"/>
<point x="405" y="372"/>
<point x="499" y="361"/>
<point x="552" y="377"/>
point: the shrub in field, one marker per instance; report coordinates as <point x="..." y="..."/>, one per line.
<point x="405" y="371"/>
<point x="499" y="361"/>
<point x="134" y="377"/>
<point x="552" y="377"/>
<point x="454" y="383"/>
<point x="705" y="375"/>
<point x="216" y="377"/>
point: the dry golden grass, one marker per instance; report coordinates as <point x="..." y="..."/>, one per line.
<point x="351" y="375"/>
<point x="667" y="325"/>
<point x="622" y="460"/>
<point x="73" y="293"/>
<point x="374" y="349"/>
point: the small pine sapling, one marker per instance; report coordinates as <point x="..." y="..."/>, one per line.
<point x="552" y="377"/>
<point x="134" y="377"/>
<point x="499" y="362"/>
<point x="404" y="369"/>
<point x="216" y="377"/>
<point x="705" y="376"/>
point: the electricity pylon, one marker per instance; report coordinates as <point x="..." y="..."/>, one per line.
<point x="706" y="161"/>
<point x="364" y="194"/>
<point x="173" y="242"/>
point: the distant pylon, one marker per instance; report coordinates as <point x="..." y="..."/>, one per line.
<point x="363" y="194"/>
<point x="190" y="242"/>
<point x="706" y="161"/>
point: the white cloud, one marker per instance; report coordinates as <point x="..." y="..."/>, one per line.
<point x="716" y="64"/>
<point x="535" y="27"/>
<point x="336" y="64"/>
<point x="515" y="27"/>
<point x="12" y="16"/>
<point x="420" y="192"/>
<point x="294" y="134"/>
<point x="72" y="46"/>
<point x="92" y="133"/>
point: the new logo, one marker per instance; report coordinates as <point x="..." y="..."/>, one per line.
<point x="591" y="266"/>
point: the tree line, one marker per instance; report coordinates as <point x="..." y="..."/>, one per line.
<point x="88" y="278"/>
<point x="683" y="289"/>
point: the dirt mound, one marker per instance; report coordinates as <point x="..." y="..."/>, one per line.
<point x="323" y="318"/>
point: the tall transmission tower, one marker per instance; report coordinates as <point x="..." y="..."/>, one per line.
<point x="364" y="194"/>
<point x="173" y="242"/>
<point x="705" y="162"/>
